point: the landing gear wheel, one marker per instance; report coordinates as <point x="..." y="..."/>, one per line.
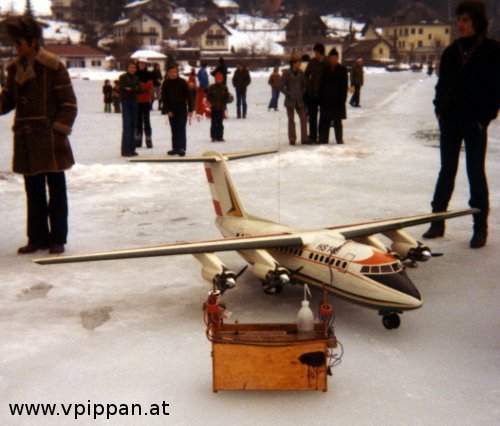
<point x="391" y="321"/>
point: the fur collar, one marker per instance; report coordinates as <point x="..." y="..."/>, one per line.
<point x="43" y="57"/>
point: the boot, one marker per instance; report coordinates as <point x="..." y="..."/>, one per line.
<point x="479" y="238"/>
<point x="149" y="142"/>
<point x="436" y="230"/>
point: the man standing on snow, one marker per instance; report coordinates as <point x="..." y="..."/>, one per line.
<point x="332" y="98"/>
<point x="357" y="80"/>
<point x="178" y="106"/>
<point x="38" y="87"/>
<point x="314" y="72"/>
<point x="467" y="100"/>
<point x="241" y="80"/>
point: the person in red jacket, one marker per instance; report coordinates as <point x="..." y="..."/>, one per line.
<point x="144" y="101"/>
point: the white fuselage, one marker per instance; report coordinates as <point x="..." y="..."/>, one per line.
<point x="358" y="272"/>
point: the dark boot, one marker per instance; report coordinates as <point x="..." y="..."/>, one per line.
<point x="480" y="228"/>
<point x="436" y="230"/>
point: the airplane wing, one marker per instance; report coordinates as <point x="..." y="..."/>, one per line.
<point x="209" y="156"/>
<point x="224" y="244"/>
<point x="384" y="225"/>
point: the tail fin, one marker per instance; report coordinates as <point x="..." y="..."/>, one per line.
<point x="225" y="198"/>
<point x="224" y="195"/>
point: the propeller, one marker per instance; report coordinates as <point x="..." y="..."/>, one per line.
<point x="227" y="279"/>
<point x="420" y="253"/>
<point x="276" y="279"/>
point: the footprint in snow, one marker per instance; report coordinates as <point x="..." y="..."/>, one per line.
<point x="37" y="291"/>
<point x="93" y="318"/>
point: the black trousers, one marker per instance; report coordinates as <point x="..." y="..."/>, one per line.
<point x="216" y="124"/>
<point x="47" y="220"/>
<point x="144" y="122"/>
<point x="355" y="98"/>
<point x="312" y="117"/>
<point x="453" y="132"/>
<point x="178" y="124"/>
<point x="325" y="120"/>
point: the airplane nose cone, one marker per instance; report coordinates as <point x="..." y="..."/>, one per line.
<point x="400" y="282"/>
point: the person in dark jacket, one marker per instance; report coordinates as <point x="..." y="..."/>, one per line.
<point x="178" y="105"/>
<point x="222" y="68"/>
<point x="357" y="80"/>
<point x="144" y="101"/>
<point x="130" y="87"/>
<point x="293" y="86"/>
<point x="107" y="91"/>
<point x="332" y="98"/>
<point x="467" y="100"/>
<point x="38" y="87"/>
<point x="218" y="96"/>
<point x="314" y="72"/>
<point x="241" y="80"/>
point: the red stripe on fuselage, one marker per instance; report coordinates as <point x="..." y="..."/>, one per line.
<point x="218" y="210"/>
<point x="210" y="177"/>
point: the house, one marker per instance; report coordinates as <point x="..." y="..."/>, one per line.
<point x="417" y="34"/>
<point x="79" y="55"/>
<point x="303" y="31"/>
<point x="209" y="36"/>
<point x="146" y="30"/>
<point x="373" y="51"/>
<point x="62" y="10"/>
<point x="147" y="21"/>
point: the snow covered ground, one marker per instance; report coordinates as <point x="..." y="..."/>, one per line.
<point x="131" y="331"/>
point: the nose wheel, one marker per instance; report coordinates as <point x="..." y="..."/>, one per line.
<point x="391" y="321"/>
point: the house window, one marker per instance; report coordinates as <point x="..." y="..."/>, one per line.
<point x="152" y="41"/>
<point x="420" y="30"/>
<point x="406" y="31"/>
<point x="446" y="30"/>
<point x="420" y="43"/>
<point x="380" y="51"/>
<point x="430" y="36"/>
<point x="413" y="31"/>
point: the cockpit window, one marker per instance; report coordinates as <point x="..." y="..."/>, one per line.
<point x="382" y="269"/>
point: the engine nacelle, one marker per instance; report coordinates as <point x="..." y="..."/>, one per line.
<point x="407" y="247"/>
<point x="215" y="272"/>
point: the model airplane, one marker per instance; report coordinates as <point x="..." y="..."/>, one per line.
<point x="346" y="260"/>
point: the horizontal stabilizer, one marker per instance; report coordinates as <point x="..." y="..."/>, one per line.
<point x="225" y="244"/>
<point x="210" y="156"/>
<point x="384" y="225"/>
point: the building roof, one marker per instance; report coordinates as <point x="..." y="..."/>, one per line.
<point x="73" y="50"/>
<point x="201" y="26"/>
<point x="415" y="13"/>
<point x="308" y="20"/>
<point x="364" y="48"/>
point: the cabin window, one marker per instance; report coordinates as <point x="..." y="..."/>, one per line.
<point x="365" y="269"/>
<point x="321" y="258"/>
<point x="310" y="255"/>
<point x="386" y="269"/>
<point x="344" y="265"/>
<point x="375" y="269"/>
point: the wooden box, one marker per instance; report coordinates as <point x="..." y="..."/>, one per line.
<point x="269" y="357"/>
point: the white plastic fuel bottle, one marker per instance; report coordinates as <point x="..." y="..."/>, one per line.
<point x="305" y="317"/>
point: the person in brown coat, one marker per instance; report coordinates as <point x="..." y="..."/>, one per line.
<point x="275" y="83"/>
<point x="38" y="87"/>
